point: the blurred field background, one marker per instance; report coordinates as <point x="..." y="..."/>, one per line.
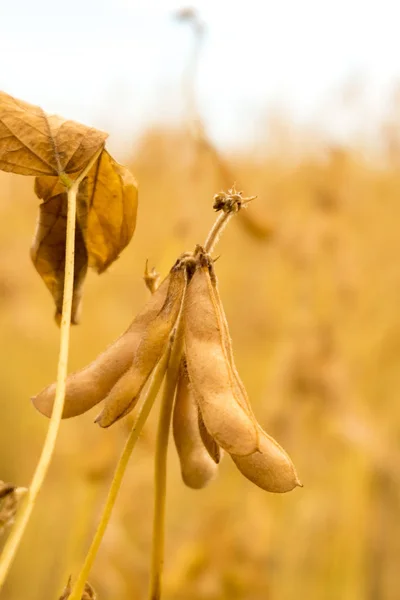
<point x="310" y="282"/>
<point x="313" y="312"/>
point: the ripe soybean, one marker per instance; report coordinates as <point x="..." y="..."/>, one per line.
<point x="197" y="466"/>
<point x="210" y="373"/>
<point x="123" y="396"/>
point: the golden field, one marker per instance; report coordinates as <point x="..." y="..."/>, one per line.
<point x="311" y="286"/>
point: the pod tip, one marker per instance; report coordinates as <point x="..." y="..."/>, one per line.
<point x="100" y="421"/>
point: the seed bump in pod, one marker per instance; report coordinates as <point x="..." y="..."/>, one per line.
<point x="197" y="466"/>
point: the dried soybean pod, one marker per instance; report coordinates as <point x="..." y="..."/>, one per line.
<point x="90" y="385"/>
<point x="197" y="466"/>
<point x="241" y="390"/>
<point x="125" y="393"/>
<point x="209" y="370"/>
<point x="271" y="468"/>
<point x="210" y="444"/>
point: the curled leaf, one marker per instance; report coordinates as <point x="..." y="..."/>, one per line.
<point x="10" y="496"/>
<point x="107" y="207"/>
<point x="34" y="143"/>
<point x="88" y="592"/>
<point x="197" y="466"/>
<point x="106" y="219"/>
<point x="48" y="253"/>
<point x="151" y="278"/>
<point x="57" y="151"/>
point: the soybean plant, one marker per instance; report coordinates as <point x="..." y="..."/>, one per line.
<point x="181" y="335"/>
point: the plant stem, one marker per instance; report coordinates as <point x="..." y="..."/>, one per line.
<point x="42" y="466"/>
<point x="81" y="529"/>
<point x="147" y="405"/>
<point x="223" y="219"/>
<point x="160" y="471"/>
<point x="216" y="230"/>
<point x="157" y="558"/>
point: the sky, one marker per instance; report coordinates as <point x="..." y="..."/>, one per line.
<point x="121" y="64"/>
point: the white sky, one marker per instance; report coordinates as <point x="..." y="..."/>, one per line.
<point x="118" y="64"/>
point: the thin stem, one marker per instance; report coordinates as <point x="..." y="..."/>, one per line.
<point x="160" y="472"/>
<point x="81" y="529"/>
<point x="147" y="405"/>
<point x="216" y="230"/>
<point x="42" y="466"/>
<point x="224" y="217"/>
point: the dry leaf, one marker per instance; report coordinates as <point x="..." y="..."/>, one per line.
<point x="48" y="146"/>
<point x="88" y="592"/>
<point x="151" y="278"/>
<point x="9" y="500"/>
<point x="48" y="253"/>
<point x="106" y="219"/>
<point x="107" y="206"/>
<point x="34" y="143"/>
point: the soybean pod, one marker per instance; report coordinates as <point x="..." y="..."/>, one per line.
<point x="210" y="444"/>
<point x="124" y="395"/>
<point x="240" y="388"/>
<point x="210" y="373"/>
<point x="197" y="466"/>
<point x="270" y="468"/>
<point x="90" y="385"/>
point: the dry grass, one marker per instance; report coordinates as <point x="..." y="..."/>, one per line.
<point x="314" y="316"/>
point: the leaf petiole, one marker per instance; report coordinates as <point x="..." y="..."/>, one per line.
<point x="66" y="181"/>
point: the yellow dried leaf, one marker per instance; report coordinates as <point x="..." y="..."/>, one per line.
<point x="34" y="143"/>
<point x="10" y="497"/>
<point x="88" y="592"/>
<point x="106" y="219"/>
<point x="48" y="186"/>
<point x="48" y="253"/>
<point x="107" y="206"/>
<point x="48" y="146"/>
